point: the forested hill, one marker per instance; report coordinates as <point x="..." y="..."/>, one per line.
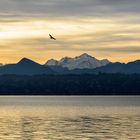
<point x="101" y="84"/>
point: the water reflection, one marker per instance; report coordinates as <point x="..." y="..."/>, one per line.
<point x="28" y="128"/>
<point x="70" y="128"/>
<point x="80" y="118"/>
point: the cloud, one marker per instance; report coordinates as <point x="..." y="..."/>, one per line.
<point x="127" y="49"/>
<point x="101" y="26"/>
<point x="99" y="8"/>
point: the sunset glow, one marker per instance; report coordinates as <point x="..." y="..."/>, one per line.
<point x="98" y="32"/>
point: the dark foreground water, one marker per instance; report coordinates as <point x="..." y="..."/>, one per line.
<point x="70" y="118"/>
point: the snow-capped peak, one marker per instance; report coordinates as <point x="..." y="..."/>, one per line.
<point x="85" y="55"/>
<point x="83" y="61"/>
<point x="52" y="62"/>
<point x="65" y="59"/>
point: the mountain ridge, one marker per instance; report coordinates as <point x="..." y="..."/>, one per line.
<point x="25" y="67"/>
<point x="29" y="67"/>
<point x="78" y="62"/>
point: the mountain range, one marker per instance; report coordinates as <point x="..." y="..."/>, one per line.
<point x="83" y="61"/>
<point x="83" y="64"/>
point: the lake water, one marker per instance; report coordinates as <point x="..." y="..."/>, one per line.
<point x="69" y="118"/>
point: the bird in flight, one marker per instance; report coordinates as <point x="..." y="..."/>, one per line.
<point x="51" y="37"/>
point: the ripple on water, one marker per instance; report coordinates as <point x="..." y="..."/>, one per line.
<point x="46" y="119"/>
<point x="80" y="127"/>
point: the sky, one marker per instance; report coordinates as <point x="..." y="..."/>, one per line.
<point x="105" y="29"/>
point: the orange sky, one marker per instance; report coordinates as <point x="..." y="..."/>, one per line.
<point x="112" y="36"/>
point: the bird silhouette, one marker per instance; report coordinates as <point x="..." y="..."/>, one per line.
<point x="51" y="37"/>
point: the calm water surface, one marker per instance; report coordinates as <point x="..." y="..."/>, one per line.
<point x="70" y="118"/>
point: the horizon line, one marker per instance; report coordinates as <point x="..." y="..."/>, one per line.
<point x="67" y="57"/>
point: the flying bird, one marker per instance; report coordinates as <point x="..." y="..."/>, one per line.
<point x="51" y="37"/>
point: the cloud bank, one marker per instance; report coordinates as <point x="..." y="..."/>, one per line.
<point x="103" y="28"/>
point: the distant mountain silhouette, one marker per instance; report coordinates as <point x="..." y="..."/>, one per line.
<point x="129" y="68"/>
<point x="28" y="67"/>
<point x="25" y="67"/>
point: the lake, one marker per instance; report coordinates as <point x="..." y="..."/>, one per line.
<point x="70" y="118"/>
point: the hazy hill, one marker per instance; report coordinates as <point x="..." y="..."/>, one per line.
<point x="129" y="68"/>
<point x="25" y="67"/>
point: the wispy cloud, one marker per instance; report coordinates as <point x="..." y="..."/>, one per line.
<point x="70" y="7"/>
<point x="104" y="28"/>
